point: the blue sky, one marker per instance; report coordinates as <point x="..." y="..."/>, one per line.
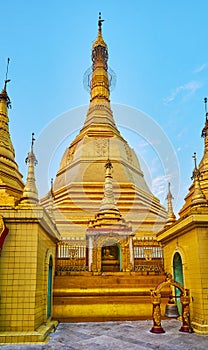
<point x="157" y="49"/>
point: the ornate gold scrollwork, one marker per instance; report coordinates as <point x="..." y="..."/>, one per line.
<point x="157" y="315"/>
<point x="2" y="225"/>
<point x="148" y="254"/>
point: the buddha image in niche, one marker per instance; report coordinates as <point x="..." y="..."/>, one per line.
<point x="109" y="253"/>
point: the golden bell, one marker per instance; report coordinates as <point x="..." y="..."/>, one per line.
<point x="171" y="309"/>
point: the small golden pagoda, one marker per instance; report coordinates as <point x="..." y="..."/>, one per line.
<point x="203" y="170"/>
<point x="171" y="218"/>
<point x="185" y="242"/>
<point x="11" y="184"/>
<point x="110" y="245"/>
<point x="28" y="240"/>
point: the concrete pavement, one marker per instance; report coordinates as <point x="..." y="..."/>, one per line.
<point x="129" y="335"/>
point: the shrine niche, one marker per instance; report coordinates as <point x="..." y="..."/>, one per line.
<point x="110" y="251"/>
<point x="110" y="259"/>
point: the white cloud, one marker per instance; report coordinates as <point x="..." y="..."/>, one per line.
<point x="181" y="133"/>
<point x="160" y="185"/>
<point x="142" y="144"/>
<point x="200" y="68"/>
<point x="189" y="88"/>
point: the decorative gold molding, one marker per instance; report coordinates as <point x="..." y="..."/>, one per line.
<point x="2" y="225"/>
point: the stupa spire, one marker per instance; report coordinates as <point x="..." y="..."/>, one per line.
<point x="100" y="91"/>
<point x="108" y="202"/>
<point x="205" y="129"/>
<point x="30" y="194"/>
<point x="170" y="216"/>
<point x="198" y="192"/>
<point x="108" y="214"/>
<point x="6" y="147"/>
<point x="99" y="110"/>
<point x="51" y="201"/>
<point x="198" y="197"/>
<point x="11" y="184"/>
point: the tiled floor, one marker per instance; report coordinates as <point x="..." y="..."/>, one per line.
<point x="118" y="335"/>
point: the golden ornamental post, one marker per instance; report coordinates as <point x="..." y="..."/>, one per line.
<point x="185" y="301"/>
<point x="156" y="313"/>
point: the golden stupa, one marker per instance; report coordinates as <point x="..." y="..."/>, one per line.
<point x="115" y="239"/>
<point x="185" y="244"/>
<point x="196" y="187"/>
<point x="78" y="187"/>
<point x="11" y="184"/>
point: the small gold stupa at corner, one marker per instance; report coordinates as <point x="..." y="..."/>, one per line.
<point x="185" y="242"/>
<point x="11" y="184"/>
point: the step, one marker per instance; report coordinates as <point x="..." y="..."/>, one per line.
<point x="93" y="308"/>
<point x="84" y="292"/>
<point x="105" y="297"/>
<point x="106" y="281"/>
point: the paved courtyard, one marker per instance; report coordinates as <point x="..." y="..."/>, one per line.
<point x="118" y="335"/>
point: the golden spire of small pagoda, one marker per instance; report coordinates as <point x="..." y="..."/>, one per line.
<point x="108" y="214"/>
<point x="30" y="193"/>
<point x="203" y="166"/>
<point x="11" y="184"/>
<point x="6" y="147"/>
<point x="51" y="201"/>
<point x="205" y="129"/>
<point x="108" y="202"/>
<point x="170" y="215"/>
<point x="198" y="191"/>
<point x="198" y="197"/>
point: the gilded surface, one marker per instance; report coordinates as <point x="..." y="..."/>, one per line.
<point x="156" y="297"/>
<point x="6" y="199"/>
<point x="94" y="260"/>
<point x="128" y="153"/>
<point x="101" y="147"/>
<point x="2" y="226"/>
<point x="11" y="179"/>
<point x="157" y="315"/>
<point x="105" y="240"/>
<point x="148" y="254"/>
<point x="198" y="191"/>
<point x="186" y="314"/>
<point x="84" y="175"/>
